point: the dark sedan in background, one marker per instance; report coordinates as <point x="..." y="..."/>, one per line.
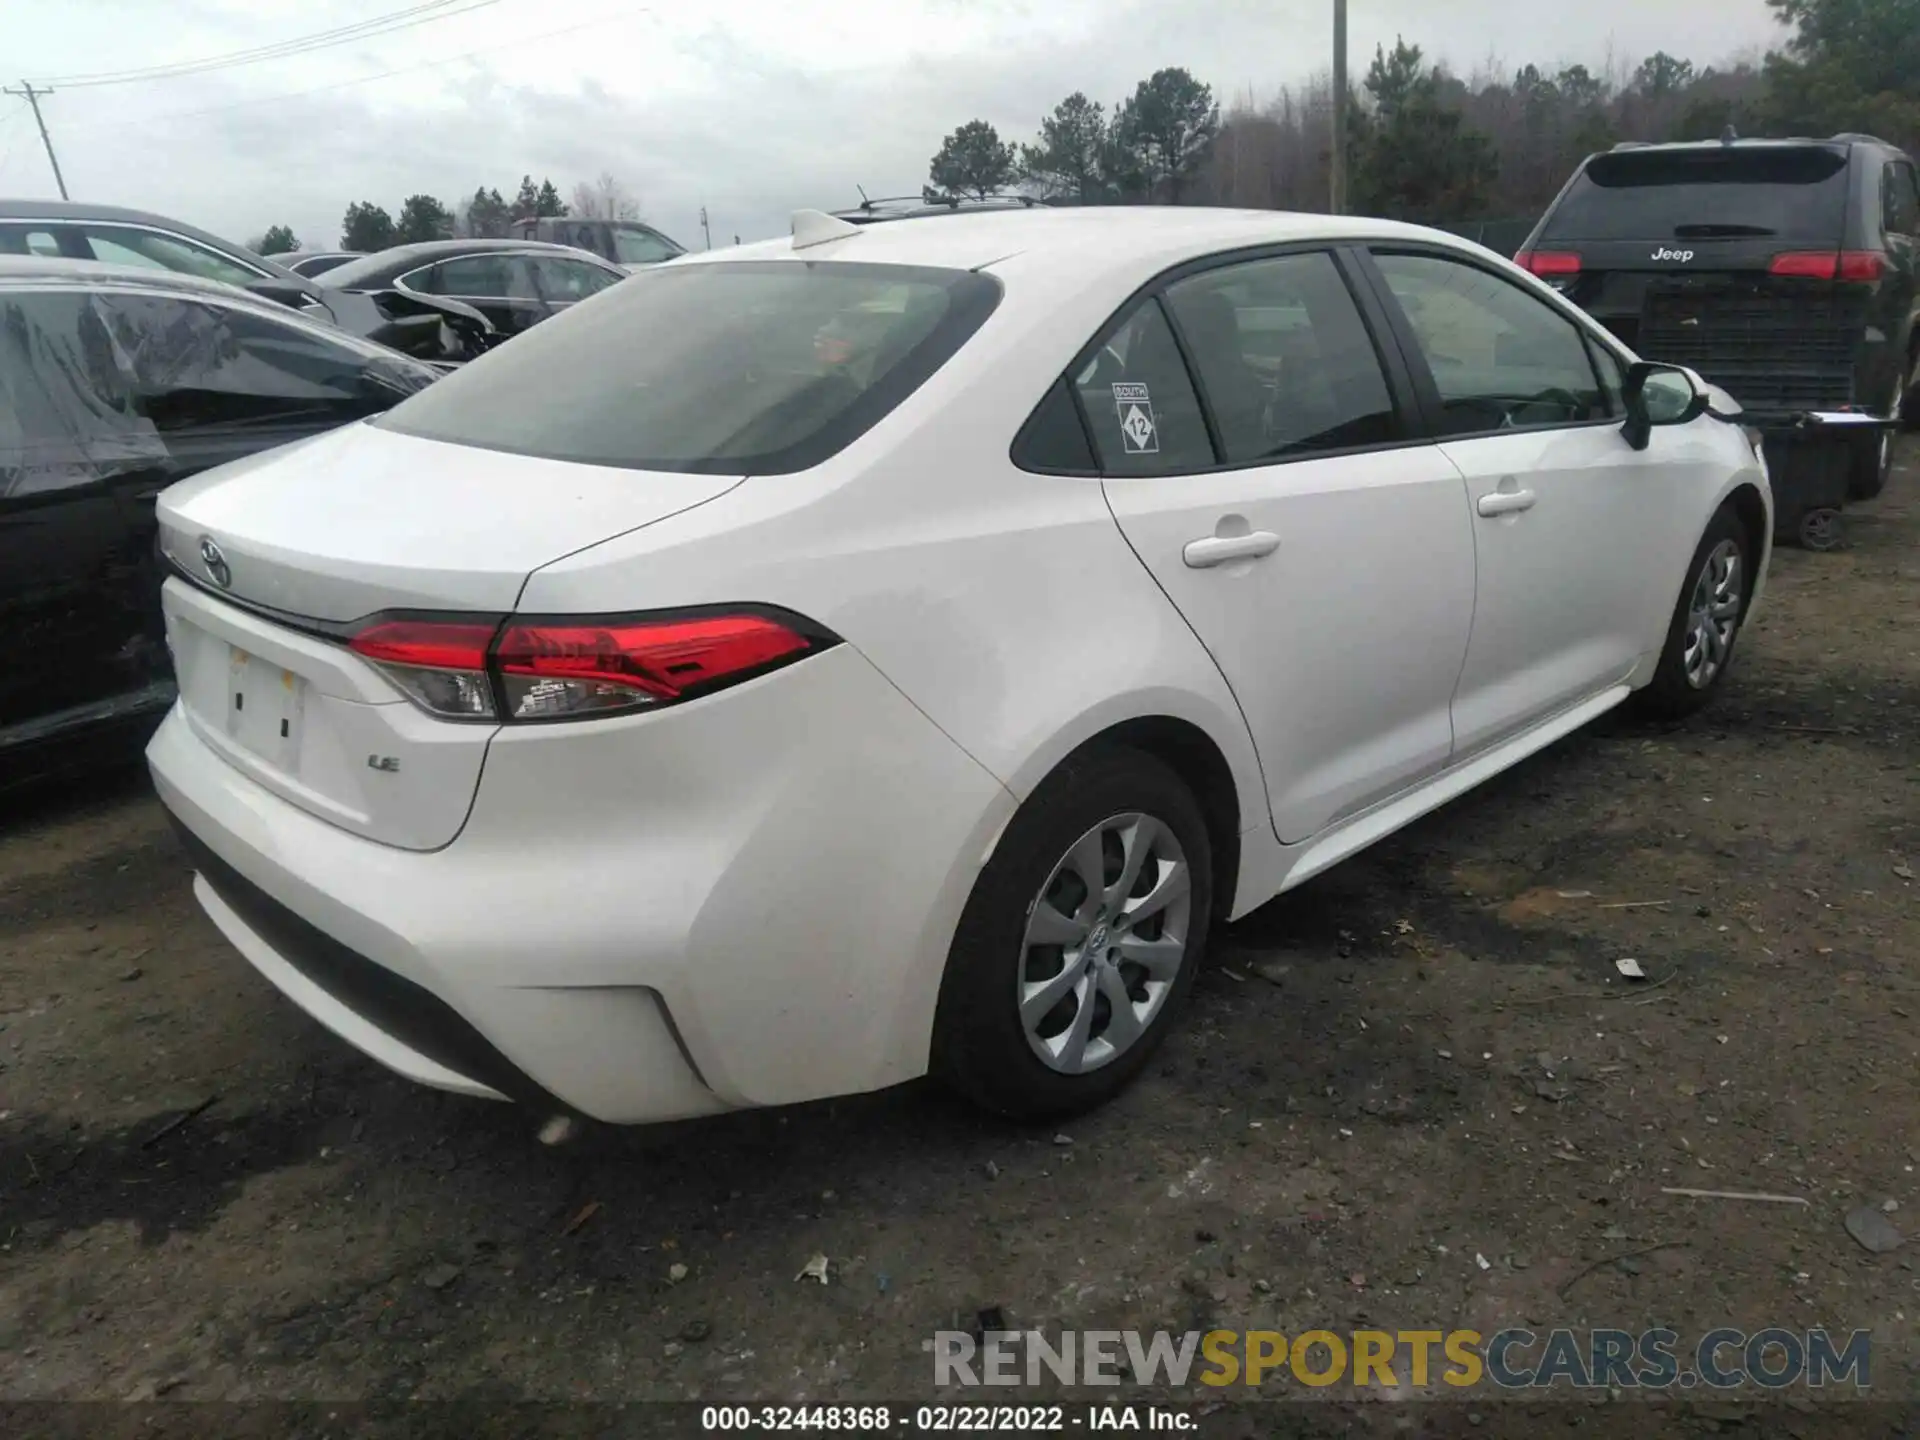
<point x="316" y="262"/>
<point x="514" y="283"/>
<point x="422" y="326"/>
<point x="114" y="383"/>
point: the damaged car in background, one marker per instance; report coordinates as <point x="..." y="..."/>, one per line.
<point x="114" y="383"/>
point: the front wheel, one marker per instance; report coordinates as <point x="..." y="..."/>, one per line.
<point x="1706" y="622"/>
<point x="1080" y="940"/>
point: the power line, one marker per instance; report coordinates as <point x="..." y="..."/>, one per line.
<point x="32" y="97"/>
<point x="421" y="14"/>
<point x="142" y="122"/>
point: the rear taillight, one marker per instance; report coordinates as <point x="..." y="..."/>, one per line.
<point x="1855" y="267"/>
<point x="1548" y="262"/>
<point x="556" y="668"/>
<point x="567" y="667"/>
<point x="440" y="664"/>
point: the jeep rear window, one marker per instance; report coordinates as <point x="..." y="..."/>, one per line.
<point x="1797" y="194"/>
<point x="738" y="367"/>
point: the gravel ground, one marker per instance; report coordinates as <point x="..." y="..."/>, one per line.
<point x="1423" y="1060"/>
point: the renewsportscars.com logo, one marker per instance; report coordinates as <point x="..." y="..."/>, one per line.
<point x="1511" y="1359"/>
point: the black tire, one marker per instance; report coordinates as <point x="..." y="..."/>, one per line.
<point x="1821" y="530"/>
<point x="1672" y="695"/>
<point x="980" y="1046"/>
<point x="1869" y="465"/>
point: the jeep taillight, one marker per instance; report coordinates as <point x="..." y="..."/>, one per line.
<point x="1546" y="263"/>
<point x="1854" y="267"/>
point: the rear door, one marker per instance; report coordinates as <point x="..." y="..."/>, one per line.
<point x="1320" y="552"/>
<point x="1722" y="258"/>
<point x="78" y="588"/>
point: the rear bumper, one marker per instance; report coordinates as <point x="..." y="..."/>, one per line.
<point x="746" y="900"/>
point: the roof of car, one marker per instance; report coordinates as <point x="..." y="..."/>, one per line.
<point x="1082" y="243"/>
<point x="75" y="210"/>
<point x="1756" y="142"/>
<point x="907" y="207"/>
<point x="38" y="269"/>
<point x="399" y="258"/>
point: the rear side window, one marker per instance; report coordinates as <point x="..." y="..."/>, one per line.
<point x="1140" y="402"/>
<point x="122" y="245"/>
<point x="482" y="277"/>
<point x="1285" y="360"/>
<point x="23" y="240"/>
<point x="1053" y="439"/>
<point x="752" y="367"/>
<point x="1902" y="199"/>
<point x="1797" y="193"/>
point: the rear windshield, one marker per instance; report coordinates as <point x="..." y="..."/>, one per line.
<point x="748" y="367"/>
<point x="1797" y="194"/>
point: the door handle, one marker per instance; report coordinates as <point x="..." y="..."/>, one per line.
<point x="1505" y="502"/>
<point x="1219" y="549"/>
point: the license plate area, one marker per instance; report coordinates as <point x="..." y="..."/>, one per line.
<point x="265" y="709"/>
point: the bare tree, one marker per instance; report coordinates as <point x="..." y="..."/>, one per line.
<point x="604" y="199"/>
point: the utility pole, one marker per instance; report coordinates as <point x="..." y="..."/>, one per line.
<point x="32" y="97"/>
<point x="706" y="229"/>
<point x="1337" y="165"/>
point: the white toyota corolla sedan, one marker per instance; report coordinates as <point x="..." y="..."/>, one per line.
<point x="887" y="650"/>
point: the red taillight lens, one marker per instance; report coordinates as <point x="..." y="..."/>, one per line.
<point x="1857" y="267"/>
<point x="558" y="668"/>
<point x="1548" y="262"/>
<point x="440" y="664"/>
<point x="1862" y="267"/>
<point x="567" y="667"/>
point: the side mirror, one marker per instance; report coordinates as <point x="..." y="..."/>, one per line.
<point x="1659" y="395"/>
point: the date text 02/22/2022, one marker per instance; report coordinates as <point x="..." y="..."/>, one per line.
<point x="943" y="1419"/>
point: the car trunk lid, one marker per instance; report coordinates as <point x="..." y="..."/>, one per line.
<point x="282" y="555"/>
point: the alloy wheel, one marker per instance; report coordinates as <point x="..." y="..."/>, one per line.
<point x="1105" y="940"/>
<point x="1713" y="616"/>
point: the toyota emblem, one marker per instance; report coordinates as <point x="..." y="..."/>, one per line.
<point x="215" y="562"/>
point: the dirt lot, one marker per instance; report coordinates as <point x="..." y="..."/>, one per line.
<point x="1447" y="1070"/>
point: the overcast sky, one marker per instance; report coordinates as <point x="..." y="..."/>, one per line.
<point x="749" y="107"/>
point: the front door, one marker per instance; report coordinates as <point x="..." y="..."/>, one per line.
<point x="1567" y="518"/>
<point x="1323" y="560"/>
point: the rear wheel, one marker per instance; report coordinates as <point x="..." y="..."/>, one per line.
<point x="1080" y="940"/>
<point x="1706" y="622"/>
<point x="1820" y="529"/>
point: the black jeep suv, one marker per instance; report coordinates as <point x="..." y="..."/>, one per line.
<point x="1783" y="271"/>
